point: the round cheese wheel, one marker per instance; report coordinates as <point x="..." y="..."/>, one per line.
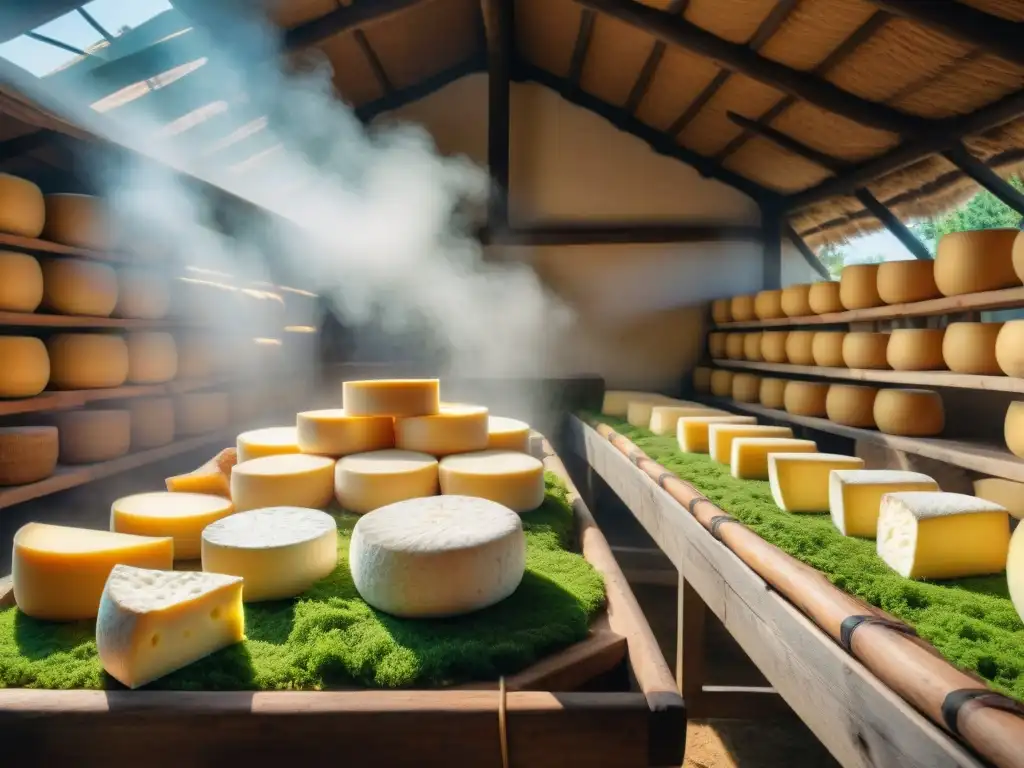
<point x="152" y="357"/>
<point x="827" y="348"/>
<point x="152" y="420"/>
<point x="796" y="300"/>
<point x="903" y="282"/>
<point x="364" y="482"/>
<point x="909" y="412"/>
<point x="702" y="380"/>
<point x="858" y="286"/>
<point x="505" y="434"/>
<point x="391" y="397"/>
<point x="79" y="287"/>
<point x="720" y="311"/>
<point x="87" y="360"/>
<point x="824" y="298"/>
<point x="21" y="280"/>
<point x="77" y="220"/>
<point x="457" y="428"/>
<point x="851" y="405"/>
<point x="1013" y="428"/>
<point x="87" y="437"/>
<point x="734" y="346"/>
<point x="752" y="347"/>
<point x="768" y="305"/>
<point x="916" y="349"/>
<point x="746" y="387"/>
<point x="268" y="441"/>
<point x="512" y="479"/>
<point x="180" y="516"/>
<point x="800" y="347"/>
<point x="773" y="393"/>
<point x="1010" y="348"/>
<point x="333" y="432"/>
<point x="975" y="261"/>
<point x="1018" y="256"/>
<point x="716" y="345"/>
<point x="26" y="366"/>
<point x="721" y="383"/>
<point x="22" y="209"/>
<point x="437" y="557"/>
<point x="866" y="349"/>
<point x="196" y="413"/>
<point x="805" y="398"/>
<point x="142" y="294"/>
<point x="773" y="346"/>
<point x="27" y="454"/>
<point x="285" y="480"/>
<point x="742" y="309"/>
<point x="971" y="348"/>
<point x="1015" y="570"/>
<point x="197" y="357"/>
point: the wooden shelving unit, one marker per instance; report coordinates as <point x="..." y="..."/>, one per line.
<point x="35" y="245"/>
<point x="43" y="320"/>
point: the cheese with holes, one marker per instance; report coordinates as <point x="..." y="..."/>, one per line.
<point x="702" y="380"/>
<point x="851" y="405"/>
<point x="152" y="357"/>
<point x="196" y="413"/>
<point x="27" y="454"/>
<point x="268" y="441"/>
<point x="796" y="300"/>
<point x="1013" y="428"/>
<point x="720" y="311"/>
<point x="197" y="356"/>
<point x="936" y="535"/>
<point x="515" y="480"/>
<point x="866" y="349"/>
<point x="638" y="413"/>
<point x="971" y="348"/>
<point x="800" y="481"/>
<point x="77" y="220"/>
<point x="437" y="557"/>
<point x="800" y="347"/>
<point x="21" y="281"/>
<point x="214" y="477"/>
<point x="768" y="305"/>
<point x="142" y="294"/>
<point x="152" y="421"/>
<point x="1010" y="348"/>
<point x="22" y="209"/>
<point x="391" y="397"/>
<point x="664" y="418"/>
<point x="909" y="412"/>
<point x="716" y="345"/>
<point x="87" y="436"/>
<point x="79" y="287"/>
<point x="975" y="261"/>
<point x="746" y="387"/>
<point x="182" y="516"/>
<point x="457" y="428"/>
<point x="26" y="368"/>
<point x="721" y="383"/>
<point x="364" y="482"/>
<point x="855" y="496"/>
<point x="773" y="346"/>
<point x="152" y="623"/>
<point x="773" y="393"/>
<point x="734" y="345"/>
<point x="722" y="434"/>
<point x="742" y="309"/>
<point x="749" y="459"/>
<point x="752" y="347"/>
<point x="824" y="298"/>
<point x="806" y="398"/>
<point x="827" y="348"/>
<point x="1006" y="493"/>
<point x="915" y="349"/>
<point x="909" y="280"/>
<point x="505" y="434"/>
<point x="692" y="431"/>
<point x="59" y="571"/>
<point x="279" y="551"/>
<point x="87" y="360"/>
<point x="858" y="286"/>
<point x="333" y="432"/>
<point x="285" y="480"/>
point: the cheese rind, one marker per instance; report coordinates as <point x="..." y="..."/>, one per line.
<point x="1005" y="493"/>
<point x="1013" y="428"/>
<point x="915" y="349"/>
<point x="749" y="458"/>
<point x="364" y="482"/>
<point x="806" y="398"/>
<point x="752" y="347"/>
<point x="827" y="348"/>
<point x="22" y="208"/>
<point x="866" y="349"/>
<point x="79" y="287"/>
<point x="858" y="286"/>
<point x="734" y="343"/>
<point x="21" y="282"/>
<point x="692" y="431"/>
<point x="152" y="421"/>
<point x="269" y="441"/>
<point x="851" y="405"/>
<point x="333" y="432"/>
<point x="26" y="368"/>
<point x="855" y="496"/>
<point x="286" y="480"/>
<point x="78" y="220"/>
<point x="213" y="477"/>
<point x="722" y="434"/>
<point x="773" y="346"/>
<point x="505" y="434"/>
<point x="27" y="454"/>
<point x="720" y="311"/>
<point x="768" y="305"/>
<point x="87" y="360"/>
<point x="742" y="309"/>
<point x="908" y="280"/>
<point x="1010" y="348"/>
<point x="796" y="300"/>
<point x="971" y="348"/>
<point x="824" y="298"/>
<point x="1015" y="570"/>
<point x="182" y="516"/>
<point x="664" y="418"/>
<point x="514" y="480"/>
<point x="800" y="481"/>
<point x="772" y="393"/>
<point x="391" y="397"/>
<point x="909" y="412"/>
<point x="746" y="387"/>
<point x="716" y="345"/>
<point x="936" y="535"/>
<point x="975" y="261"/>
<point x="800" y="347"/>
<point x="457" y="428"/>
<point x="87" y="437"/>
<point x="721" y="383"/>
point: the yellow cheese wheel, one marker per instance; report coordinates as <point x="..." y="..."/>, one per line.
<point x="721" y="383"/>
<point x="142" y="294"/>
<point x="716" y="345"/>
<point x="334" y="433"/>
<point x="824" y="298"/>
<point x="1006" y="493"/>
<point x="768" y="305"/>
<point x="796" y="300"/>
<point x="773" y="393"/>
<point x="858" y="286"/>
<point x="866" y="349"/>
<point x="22" y="210"/>
<point x="268" y="441"/>
<point x="90" y="436"/>
<point x="87" y="360"/>
<point x="505" y="434"/>
<point x="457" y="428"/>
<point x="902" y="282"/>
<point x="284" y="480"/>
<point x="391" y="397"/>
<point x="1010" y="348"/>
<point x="800" y="347"/>
<point x="21" y="280"/>
<point x="26" y="366"/>
<point x="909" y="412"/>
<point x="79" y="287"/>
<point x="827" y="348"/>
<point x="196" y="413"/>
<point x="851" y="405"/>
<point x="971" y="348"/>
<point x="916" y="349"/>
<point x="152" y="420"/>
<point x="702" y="380"/>
<point x="1013" y="428"/>
<point x="720" y="311"/>
<point x="1018" y="256"/>
<point x="805" y="398"/>
<point x="746" y="387"/>
<point x="752" y="347"/>
<point x="78" y="220"/>
<point x="742" y="309"/>
<point x="971" y="262"/>
<point x="734" y="346"/>
<point x="773" y="346"/>
<point x="152" y="357"/>
<point x="512" y="479"/>
<point x="27" y="454"/>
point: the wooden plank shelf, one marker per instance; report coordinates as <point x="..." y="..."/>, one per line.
<point x="913" y="378"/>
<point x="51" y="400"/>
<point x="35" y="245"/>
<point x="984" y="458"/>
<point x="43" y="320"/>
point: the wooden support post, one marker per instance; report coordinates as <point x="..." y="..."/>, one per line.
<point x="690" y="668"/>
<point x="771" y="223"/>
<point x="893" y="224"/>
<point x="805" y="250"/>
<point x="500" y="24"/>
<point x="989" y="179"/>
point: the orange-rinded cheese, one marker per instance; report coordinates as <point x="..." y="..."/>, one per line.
<point x="721" y="383"/>
<point x="824" y="298"/>
<point x="800" y="347"/>
<point x="773" y="346"/>
<point x="716" y="345"/>
<point x="21" y="281"/>
<point x="197" y="413"/>
<point x="213" y="477"/>
<point x="457" y="428"/>
<point x="152" y="357"/>
<point x="142" y="294"/>
<point x="702" y="380"/>
<point x="858" y="286"/>
<point x="27" y="454"/>
<point x="851" y="405"/>
<point x="909" y="412"/>
<point x="746" y="387"/>
<point x="1010" y="348"/>
<point x="734" y="346"/>
<point x="720" y="311"/>
<point x="1018" y="256"/>
<point x="827" y="348"/>
<point x="78" y="220"/>
<point x="768" y="305"/>
<point x="915" y="349"/>
<point x="22" y="210"/>
<point x="773" y="393"/>
<point x="975" y="261"/>
<point x="866" y="349"/>
<point x="805" y="398"/>
<point x="752" y="347"/>
<point x="26" y="366"/>
<point x="971" y="348"/>
<point x="901" y="282"/>
<point x="742" y="309"/>
<point x="1013" y="428"/>
<point x="391" y="397"/>
<point x="87" y="360"/>
<point x="87" y="437"/>
<point x="796" y="300"/>
<point x="334" y="433"/>
<point x="79" y="287"/>
<point x="152" y="421"/>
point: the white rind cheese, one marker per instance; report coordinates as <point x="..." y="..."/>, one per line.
<point x="365" y="481"/>
<point x="855" y="496"/>
<point x="514" y="480"/>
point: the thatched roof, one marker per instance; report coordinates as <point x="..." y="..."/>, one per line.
<point x="780" y="98"/>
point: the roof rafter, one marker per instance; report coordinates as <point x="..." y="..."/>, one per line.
<point x="805" y="250"/>
<point x="643" y="80"/>
<point x="499" y="27"/>
<point x="580" y="48"/>
<point x="342" y="19"/>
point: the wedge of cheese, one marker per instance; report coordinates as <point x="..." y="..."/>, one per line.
<point x="664" y="418"/>
<point x="721" y="435"/>
<point x="638" y="412"/>
<point x="213" y="477"/>
<point x="616" y="401"/>
<point x="936" y="535"/>
<point x="855" y="496"/>
<point x="749" y="458"/>
<point x="800" y="481"/>
<point x="692" y="431"/>
<point x="1006" y="493"/>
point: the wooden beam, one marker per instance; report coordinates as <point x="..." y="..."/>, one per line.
<point x="771" y="226"/>
<point x="95" y="25"/>
<point x="499" y="19"/>
<point x="56" y="43"/>
<point x="374" y="61"/>
<point x="643" y="80"/>
<point x="893" y="224"/>
<point x="789" y="143"/>
<point x="577" y="233"/>
<point x="342" y="19"/>
<point x="805" y="250"/>
<point x="398" y="98"/>
<point x="20" y="145"/>
<point x="985" y="176"/>
<point x="580" y="48"/>
<point x="740" y="58"/>
<point x="694" y="108"/>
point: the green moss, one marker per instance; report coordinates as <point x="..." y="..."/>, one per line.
<point x="970" y="621"/>
<point x="330" y="638"/>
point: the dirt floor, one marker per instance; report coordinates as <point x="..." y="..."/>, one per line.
<point x="740" y="744"/>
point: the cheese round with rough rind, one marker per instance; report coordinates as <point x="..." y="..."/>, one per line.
<point x="27" y="454"/>
<point x="77" y="220"/>
<point x="437" y="557"/>
<point x="796" y="300"/>
<point x="26" y="368"/>
<point x="79" y="287"/>
<point x="268" y="441"/>
<point x="21" y="281"/>
<point x="742" y="309"/>
<point x="1006" y="493"/>
<point x="88" y="436"/>
<point x="1013" y="428"/>
<point x="824" y="298"/>
<point x="505" y="434"/>
<point x="152" y="420"/>
<point x="182" y="516"/>
<point x="716" y="345"/>
<point x="866" y="349"/>
<point x="806" y="398"/>
<point x="773" y="393"/>
<point x="916" y="349"/>
<point x="851" y="405"/>
<point x="664" y="418"/>
<point x="752" y="347"/>
<point x="971" y="348"/>
<point x="827" y="348"/>
<point x="333" y="432"/>
<point x="279" y="551"/>
<point x="734" y="343"/>
<point x="768" y="305"/>
<point x="746" y="387"/>
<point x="1010" y="348"/>
<point x="515" y="480"/>
<point x="364" y="482"/>
<point x="909" y="412"/>
<point x="720" y="311"/>
<point x="800" y="347"/>
<point x="906" y="281"/>
<point x="975" y="261"/>
<point x="773" y="346"/>
<point x="87" y="360"/>
<point x="152" y="357"/>
<point x="142" y="294"/>
<point x="702" y="380"/>
<point x="285" y="480"/>
<point x="721" y="383"/>
<point x="855" y="496"/>
<point x="858" y="286"/>
<point x="196" y="413"/>
<point x="457" y="428"/>
<point x="22" y="208"/>
<point x="391" y="397"/>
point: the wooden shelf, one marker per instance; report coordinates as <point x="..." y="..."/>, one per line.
<point x="50" y="400"/>
<point x="914" y="378"/>
<point x="984" y="458"/>
<point x="43" y="320"/>
<point x="1007" y="298"/>
<point x="35" y="245"/>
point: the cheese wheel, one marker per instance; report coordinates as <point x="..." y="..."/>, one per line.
<point x="27" y="454"/>
<point x="438" y="557"/>
<point x="909" y="412"/>
<point x="364" y="482"/>
<point x="773" y="346"/>
<point x="21" y="280"/>
<point x="152" y="357"/>
<point x="824" y="298"/>
<point x="720" y="311"/>
<point x="734" y="343"/>
<point x="286" y="480"/>
<point x="975" y="261"/>
<point x="22" y="209"/>
<point x="181" y="516"/>
<point x="197" y="356"/>
<point x="335" y="433"/>
<point x="391" y="397"/>
<point x="87" y="437"/>
<point x="721" y="383"/>
<point x="851" y="405"/>
<point x="827" y="348"/>
<point x="1010" y="348"/>
<point x="866" y="349"/>
<point x="971" y="348"/>
<point x="142" y="294"/>
<point x="78" y="220"/>
<point x="26" y="366"/>
<point x="746" y="387"/>
<point x="1018" y="256"/>
<point x="772" y="393"/>
<point x="196" y="413"/>
<point x="512" y="479"/>
<point x="906" y="281"/>
<point x="1005" y="493"/>
<point x="269" y="441"/>
<point x="702" y="380"/>
<point x="916" y="349"/>
<point x="152" y="420"/>
<point x="742" y="309"/>
<point x="800" y="347"/>
<point x="796" y="300"/>
<point x="858" y="286"/>
<point x="79" y="287"/>
<point x="716" y="345"/>
<point x="752" y="347"/>
<point x="87" y="360"/>
<point x="505" y="434"/>
<point x="805" y="398"/>
<point x="457" y="428"/>
<point x="768" y="305"/>
<point x="1013" y="428"/>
